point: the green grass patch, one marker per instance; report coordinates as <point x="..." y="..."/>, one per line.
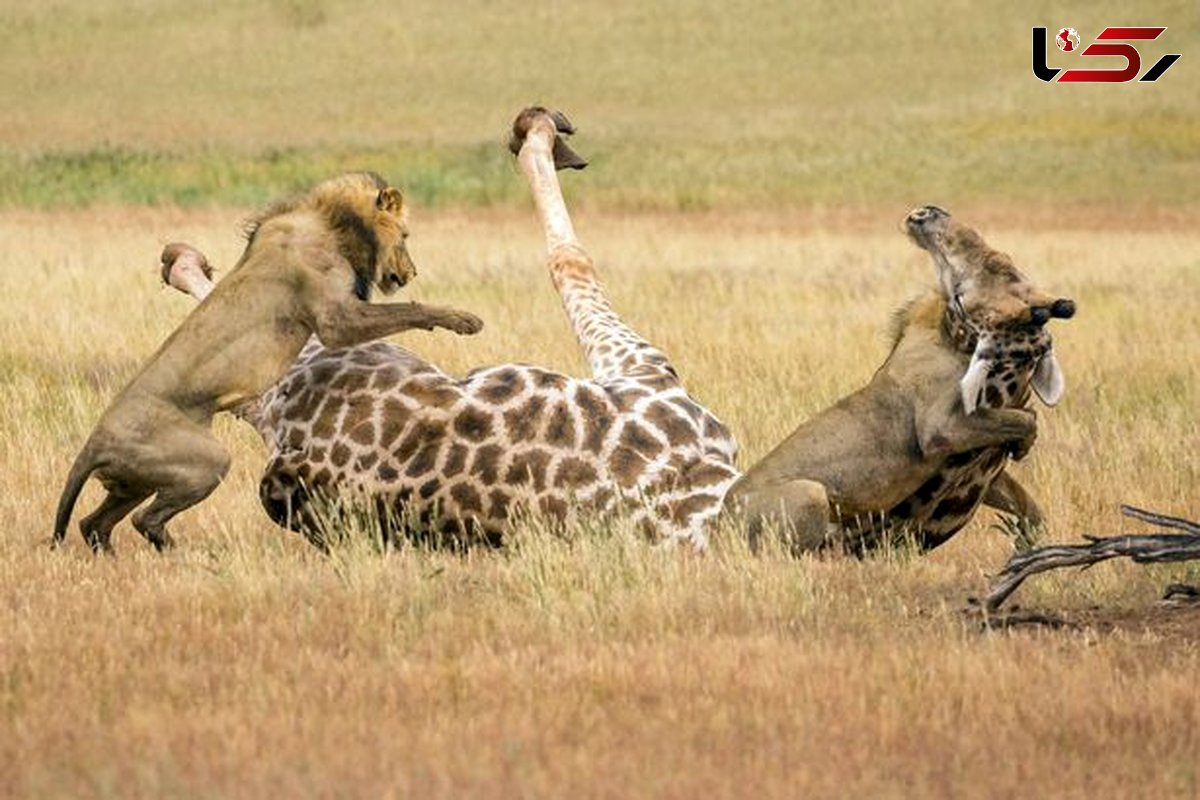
<point x="124" y="176"/>
<point x="999" y="161"/>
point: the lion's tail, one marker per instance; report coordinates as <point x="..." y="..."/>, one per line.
<point x="85" y="464"/>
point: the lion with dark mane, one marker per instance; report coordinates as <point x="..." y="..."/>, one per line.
<point x="308" y="268"/>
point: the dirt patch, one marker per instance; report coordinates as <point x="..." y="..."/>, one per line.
<point x="1162" y="621"/>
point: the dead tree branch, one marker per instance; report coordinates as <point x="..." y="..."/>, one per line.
<point x="1146" y="548"/>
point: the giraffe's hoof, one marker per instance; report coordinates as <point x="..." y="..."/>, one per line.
<point x="185" y="256"/>
<point x="564" y="156"/>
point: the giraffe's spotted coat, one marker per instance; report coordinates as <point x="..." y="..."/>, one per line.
<point x="460" y="454"/>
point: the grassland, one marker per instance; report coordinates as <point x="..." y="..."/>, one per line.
<point x="244" y="664"/>
<point x="750" y="167"/>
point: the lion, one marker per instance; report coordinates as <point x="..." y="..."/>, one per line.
<point x="927" y="440"/>
<point x="308" y="268"/>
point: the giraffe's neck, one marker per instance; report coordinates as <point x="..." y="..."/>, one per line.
<point x="611" y="347"/>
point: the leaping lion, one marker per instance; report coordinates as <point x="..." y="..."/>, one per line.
<point x="308" y="268"/>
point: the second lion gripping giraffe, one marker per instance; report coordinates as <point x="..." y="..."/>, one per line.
<point x="927" y="441"/>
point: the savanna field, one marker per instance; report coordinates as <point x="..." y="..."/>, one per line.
<point x="750" y="169"/>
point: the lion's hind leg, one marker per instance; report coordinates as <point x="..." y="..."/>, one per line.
<point x="797" y="511"/>
<point x="97" y="526"/>
<point x="189" y="470"/>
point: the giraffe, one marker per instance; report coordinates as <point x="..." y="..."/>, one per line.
<point x="928" y="440"/>
<point x="458" y="458"/>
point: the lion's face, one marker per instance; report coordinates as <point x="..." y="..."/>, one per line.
<point x="393" y="265"/>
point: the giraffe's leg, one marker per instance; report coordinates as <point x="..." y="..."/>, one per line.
<point x="612" y="348"/>
<point x="534" y="135"/>
<point x="97" y="526"/>
<point x="797" y="510"/>
<point x="1010" y="497"/>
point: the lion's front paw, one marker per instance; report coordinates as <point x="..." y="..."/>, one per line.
<point x="463" y="322"/>
<point x="1021" y="447"/>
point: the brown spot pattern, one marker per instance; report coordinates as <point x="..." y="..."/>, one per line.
<point x="486" y="464"/>
<point x="626" y="466"/>
<point x="638" y="439"/>
<point x="325" y="424"/>
<point x="560" y="429"/>
<point x="467" y="497"/>
<point x="456" y="460"/>
<point x="677" y="429"/>
<point x="528" y="468"/>
<point x="498" y="504"/>
<point x="574" y="472"/>
<point x="553" y="506"/>
<point x="502" y="386"/>
<point x="473" y="424"/>
<point x="597" y="418"/>
<point x="522" y="423"/>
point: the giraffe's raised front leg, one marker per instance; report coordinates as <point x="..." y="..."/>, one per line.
<point x="612" y="348"/>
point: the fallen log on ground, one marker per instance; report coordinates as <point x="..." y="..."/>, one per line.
<point x="1148" y="548"/>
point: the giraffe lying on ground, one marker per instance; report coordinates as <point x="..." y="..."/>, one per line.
<point x="928" y="439"/>
<point x="459" y="457"/>
<point x="308" y="269"/>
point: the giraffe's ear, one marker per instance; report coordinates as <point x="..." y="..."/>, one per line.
<point x="1048" y="379"/>
<point x="390" y="200"/>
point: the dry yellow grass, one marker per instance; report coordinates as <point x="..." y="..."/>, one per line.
<point x="244" y="664"/>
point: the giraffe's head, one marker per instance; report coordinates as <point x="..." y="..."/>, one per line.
<point x="998" y="312"/>
<point x="553" y="126"/>
<point x="370" y="220"/>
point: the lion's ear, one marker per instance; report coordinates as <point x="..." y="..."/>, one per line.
<point x="390" y="200"/>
